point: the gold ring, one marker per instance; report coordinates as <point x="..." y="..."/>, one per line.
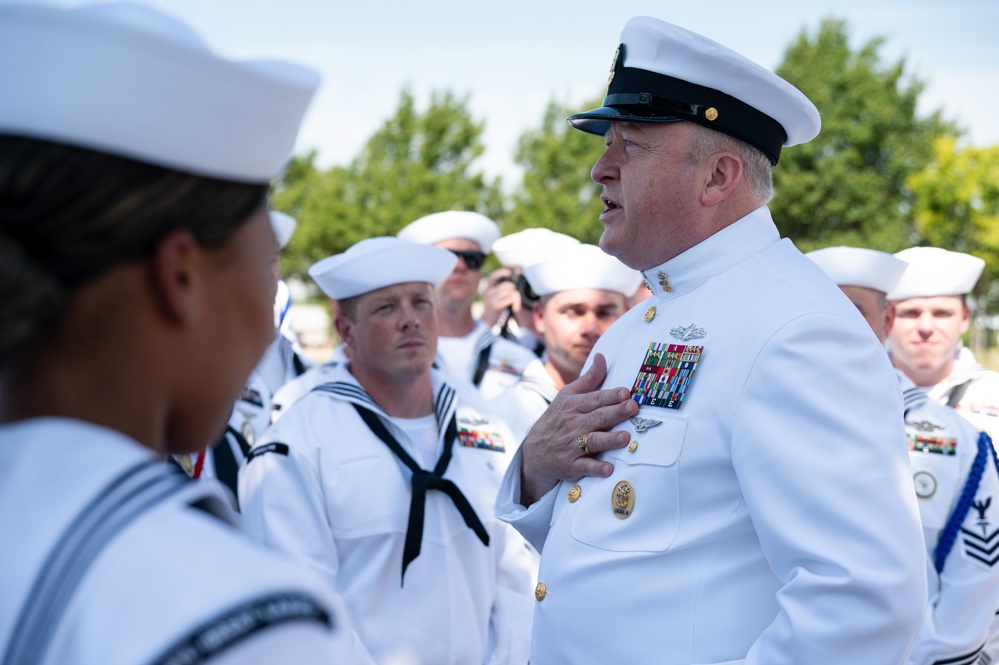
<point x="581" y="443"/>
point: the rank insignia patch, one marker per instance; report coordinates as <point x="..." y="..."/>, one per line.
<point x="984" y="547"/>
<point x="665" y="375"/>
<point x="477" y="438"/>
<point x="939" y="445"/>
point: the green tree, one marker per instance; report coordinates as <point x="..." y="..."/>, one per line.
<point x="557" y="192"/>
<point x="848" y="186"/>
<point x="956" y="206"/>
<point x="415" y="164"/>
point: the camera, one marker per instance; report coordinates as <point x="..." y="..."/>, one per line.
<point x="527" y="295"/>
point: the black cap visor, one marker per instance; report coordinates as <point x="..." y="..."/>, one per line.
<point x="638" y="95"/>
<point x="598" y="120"/>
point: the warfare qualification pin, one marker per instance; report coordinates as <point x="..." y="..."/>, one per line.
<point x="643" y="424"/>
<point x="623" y="500"/>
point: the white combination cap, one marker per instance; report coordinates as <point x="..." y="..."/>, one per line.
<point x="934" y="271"/>
<point x="857" y="266"/>
<point x="529" y="246"/>
<point x="452" y="224"/>
<point x="284" y="227"/>
<point x="127" y="80"/>
<point x="375" y="263"/>
<point x="664" y="73"/>
<point x="582" y="267"/>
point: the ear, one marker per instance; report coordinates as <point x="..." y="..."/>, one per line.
<point x="724" y="173"/>
<point x="889" y="315"/>
<point x="345" y="329"/>
<point x="174" y="273"/>
<point x="965" y="318"/>
<point x="538" y="313"/>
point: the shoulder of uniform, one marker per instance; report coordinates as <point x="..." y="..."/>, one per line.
<point x="266" y="448"/>
<point x="234" y="625"/>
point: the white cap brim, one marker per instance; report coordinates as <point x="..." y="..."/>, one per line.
<point x="130" y="81"/>
<point x="375" y="263"/>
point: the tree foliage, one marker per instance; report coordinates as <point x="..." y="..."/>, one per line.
<point x="415" y="164"/>
<point x="557" y="191"/>
<point x="848" y="186"/>
<point x="956" y="206"/>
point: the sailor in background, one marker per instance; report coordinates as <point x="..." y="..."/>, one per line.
<point x="956" y="480"/>
<point x="752" y="500"/>
<point x="507" y="299"/>
<point x="466" y="348"/>
<point x="135" y="268"/>
<point x="581" y="292"/>
<point x="383" y="479"/>
<point x="251" y="415"/>
<point x="932" y="313"/>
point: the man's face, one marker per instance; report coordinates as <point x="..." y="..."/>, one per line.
<point x="462" y="285"/>
<point x="925" y="335"/>
<point x="393" y="331"/>
<point x="650" y="192"/>
<point x="872" y="306"/>
<point x="571" y="322"/>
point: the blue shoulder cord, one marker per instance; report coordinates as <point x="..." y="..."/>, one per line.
<point x="949" y="535"/>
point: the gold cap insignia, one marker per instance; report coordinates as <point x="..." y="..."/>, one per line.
<point x="613" y="69"/>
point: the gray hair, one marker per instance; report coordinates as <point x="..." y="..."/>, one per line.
<point x="757" y="170"/>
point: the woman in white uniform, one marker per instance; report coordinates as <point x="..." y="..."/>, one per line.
<point x="135" y="268"/>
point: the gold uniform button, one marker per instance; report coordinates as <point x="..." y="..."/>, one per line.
<point x="574" y="493"/>
<point x="540" y="591"/>
<point x="633" y="446"/>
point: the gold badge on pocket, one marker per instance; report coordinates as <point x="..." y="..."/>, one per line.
<point x="623" y="500"/>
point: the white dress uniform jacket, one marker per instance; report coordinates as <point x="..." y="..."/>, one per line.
<point x="164" y="589"/>
<point x="500" y="362"/>
<point x="976" y="390"/>
<point x="339" y="498"/>
<point x="944" y="452"/>
<point x="771" y="519"/>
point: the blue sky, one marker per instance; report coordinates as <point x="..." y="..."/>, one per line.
<point x="512" y="57"/>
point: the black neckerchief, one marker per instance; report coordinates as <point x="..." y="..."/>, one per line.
<point x="422" y="481"/>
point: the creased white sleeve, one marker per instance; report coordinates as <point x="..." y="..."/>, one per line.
<point x="532" y="522"/>
<point x="825" y="475"/>
<point x="281" y="495"/>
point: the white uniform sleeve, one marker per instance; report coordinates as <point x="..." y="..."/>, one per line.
<point x="966" y="592"/>
<point x="532" y="522"/>
<point x="281" y="497"/>
<point x="825" y="475"/>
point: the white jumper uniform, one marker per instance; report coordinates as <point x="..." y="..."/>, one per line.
<point x="504" y="363"/>
<point x="167" y="583"/>
<point x="771" y="518"/>
<point x="339" y="498"/>
<point x="943" y="448"/>
<point x="523" y="404"/>
<point x="979" y="399"/>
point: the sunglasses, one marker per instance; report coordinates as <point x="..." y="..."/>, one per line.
<point x="473" y="260"/>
